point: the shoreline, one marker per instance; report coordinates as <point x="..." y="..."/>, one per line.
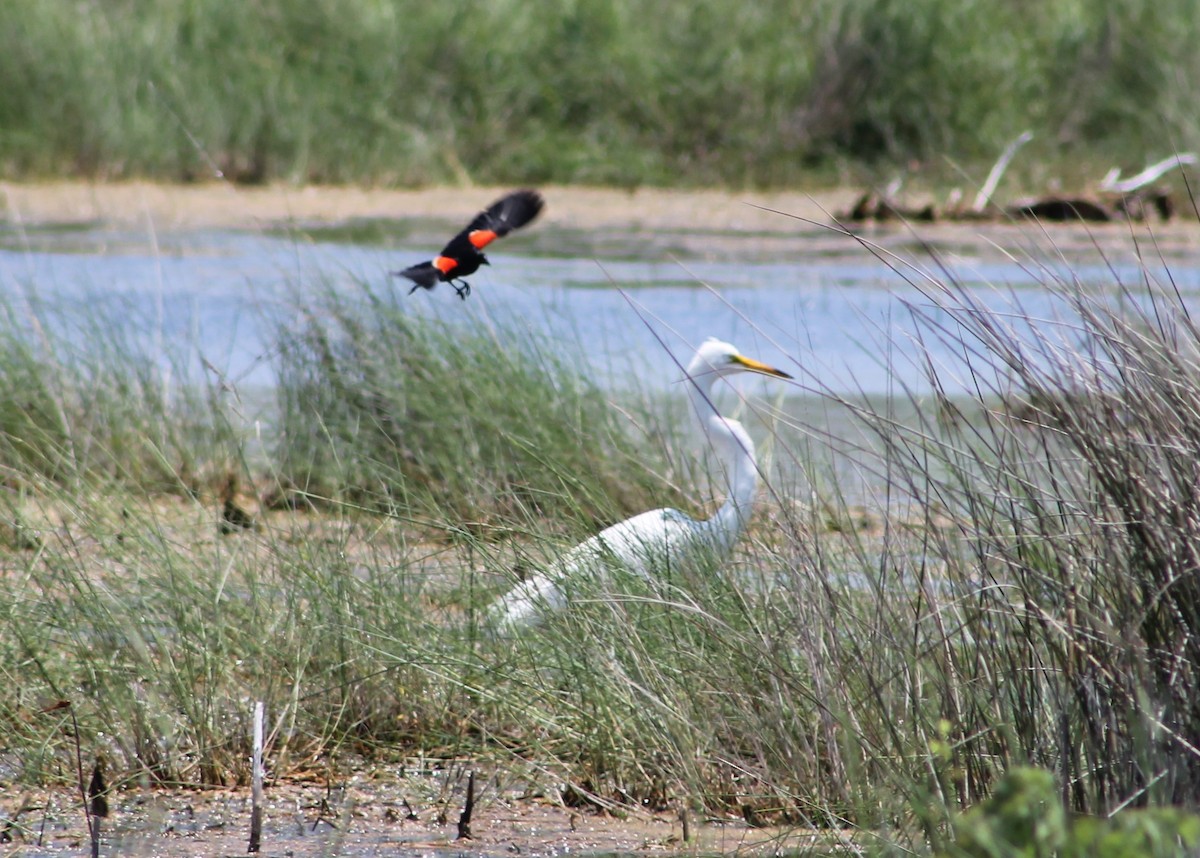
<point x="736" y="225"/>
<point x="224" y="205"/>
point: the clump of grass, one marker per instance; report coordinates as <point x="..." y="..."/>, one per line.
<point x="1083" y="529"/>
<point x="86" y="398"/>
<point x="163" y="634"/>
<point x="451" y="422"/>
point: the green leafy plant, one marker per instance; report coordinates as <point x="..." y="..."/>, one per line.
<point x="1024" y="818"/>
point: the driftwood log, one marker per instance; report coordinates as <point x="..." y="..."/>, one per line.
<point x="1134" y="199"/>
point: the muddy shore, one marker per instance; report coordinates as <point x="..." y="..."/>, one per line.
<point x="365" y="817"/>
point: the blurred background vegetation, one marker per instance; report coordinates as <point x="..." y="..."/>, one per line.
<point x="627" y="92"/>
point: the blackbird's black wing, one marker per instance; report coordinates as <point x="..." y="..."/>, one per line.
<point x="512" y="211"/>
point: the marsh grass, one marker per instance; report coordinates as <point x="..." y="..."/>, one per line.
<point x="484" y="427"/>
<point x="425" y="466"/>
<point x="87" y="398"/>
<point x="1016" y="587"/>
<point x="621" y="92"/>
<point x="1086" y="539"/>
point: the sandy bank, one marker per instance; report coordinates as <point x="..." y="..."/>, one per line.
<point x="228" y="206"/>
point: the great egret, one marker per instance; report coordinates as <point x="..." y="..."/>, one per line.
<point x="656" y="539"/>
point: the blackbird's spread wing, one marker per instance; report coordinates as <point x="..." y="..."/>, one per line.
<point x="510" y="212"/>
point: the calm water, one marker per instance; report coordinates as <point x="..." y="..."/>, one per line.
<point x="823" y="308"/>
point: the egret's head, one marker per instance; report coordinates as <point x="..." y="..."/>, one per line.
<point x="720" y="358"/>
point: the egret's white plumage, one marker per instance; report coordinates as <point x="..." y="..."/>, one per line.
<point x="662" y="538"/>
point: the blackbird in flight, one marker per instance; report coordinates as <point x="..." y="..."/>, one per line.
<point x="464" y="254"/>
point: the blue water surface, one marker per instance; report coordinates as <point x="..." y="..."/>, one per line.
<point x="843" y="323"/>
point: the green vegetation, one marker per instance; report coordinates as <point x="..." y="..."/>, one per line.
<point x="486" y="428"/>
<point x="611" y="92"/>
<point x="1024" y="817"/>
<point x="1025" y="596"/>
<point x="86" y="398"/>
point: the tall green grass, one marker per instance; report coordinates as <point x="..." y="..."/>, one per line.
<point x="424" y="466"/>
<point x="87" y="399"/>
<point x="486" y="426"/>
<point x="620" y="91"/>
<point x="1021" y="593"/>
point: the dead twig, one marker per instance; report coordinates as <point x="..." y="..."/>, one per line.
<point x="464" y="820"/>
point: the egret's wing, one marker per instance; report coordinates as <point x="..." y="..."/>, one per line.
<point x="525" y="604"/>
<point x="642" y="544"/>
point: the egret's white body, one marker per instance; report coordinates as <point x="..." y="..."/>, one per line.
<point x="663" y="538"/>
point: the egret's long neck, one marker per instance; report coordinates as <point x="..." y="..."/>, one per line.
<point x="733" y="447"/>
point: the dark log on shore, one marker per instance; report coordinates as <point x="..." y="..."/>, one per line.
<point x="1062" y="209"/>
<point x="872" y="206"/>
<point x="1105" y="208"/>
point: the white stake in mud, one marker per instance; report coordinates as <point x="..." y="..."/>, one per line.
<point x="256" y="781"/>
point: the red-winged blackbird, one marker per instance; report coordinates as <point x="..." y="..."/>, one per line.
<point x="463" y="255"/>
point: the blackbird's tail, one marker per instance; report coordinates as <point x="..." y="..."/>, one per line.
<point x="425" y="276"/>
